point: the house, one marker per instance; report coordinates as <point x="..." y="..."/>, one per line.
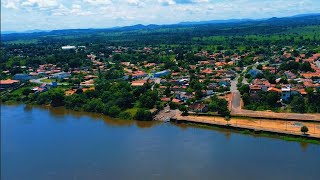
<point x="9" y="83"/>
<point x="199" y="107"/>
<point x="177" y="101"/>
<point x="285" y="93"/>
<point x="224" y="83"/>
<point x="139" y="74"/>
<point x="235" y="61"/>
<point x="182" y="96"/>
<point x="273" y="89"/>
<point x="54" y="84"/>
<point x="255" y="88"/>
<point x="263" y="83"/>
<point x="60" y="75"/>
<point x="161" y="73"/>
<point x="254" y="72"/>
<point x="165" y="99"/>
<point x="138" y="83"/>
<point x="290" y="75"/>
<point x="70" y="92"/>
<point x="209" y="92"/>
<point x="207" y="71"/>
<point x="298" y="91"/>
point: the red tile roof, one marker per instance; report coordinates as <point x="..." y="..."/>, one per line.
<point x="9" y="81"/>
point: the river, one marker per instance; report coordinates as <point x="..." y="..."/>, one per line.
<point x="40" y="143"/>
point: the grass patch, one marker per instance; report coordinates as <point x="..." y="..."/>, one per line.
<point x="300" y="139"/>
<point x="246" y="132"/>
<point x="46" y="80"/>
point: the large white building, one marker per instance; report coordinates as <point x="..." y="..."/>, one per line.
<point x="68" y="47"/>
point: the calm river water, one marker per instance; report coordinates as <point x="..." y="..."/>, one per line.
<point x="39" y="143"/>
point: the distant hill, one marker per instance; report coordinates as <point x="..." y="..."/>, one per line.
<point x="8" y="32"/>
<point x="217" y="21"/>
<point x="202" y="28"/>
<point x="28" y="31"/>
<point x="155" y="26"/>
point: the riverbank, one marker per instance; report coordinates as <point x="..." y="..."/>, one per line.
<point x="282" y="129"/>
<point x="285" y="137"/>
<point x="277" y="127"/>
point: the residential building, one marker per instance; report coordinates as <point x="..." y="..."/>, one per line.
<point x="285" y="93"/>
<point x="22" y="77"/>
<point x="199" y="107"/>
<point x="161" y="73"/>
<point x="9" y="83"/>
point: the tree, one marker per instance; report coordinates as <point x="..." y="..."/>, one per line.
<point x="244" y="89"/>
<point x="114" y="111"/>
<point x="57" y="97"/>
<point x="148" y="99"/>
<point x="184" y="110"/>
<point x="227" y="118"/>
<point x="26" y="91"/>
<point x="143" y="115"/>
<point x="272" y="98"/>
<point x="259" y="67"/>
<point x="297" y="104"/>
<point x="304" y="129"/>
<point x="246" y="98"/>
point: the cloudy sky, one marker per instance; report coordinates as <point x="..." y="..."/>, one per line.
<point x="20" y="15"/>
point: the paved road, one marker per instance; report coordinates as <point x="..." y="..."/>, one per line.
<point x="39" y="81"/>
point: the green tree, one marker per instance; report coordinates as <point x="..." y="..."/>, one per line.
<point x="298" y="104"/>
<point x="259" y="67"/>
<point x="246" y="99"/>
<point x="143" y="115"/>
<point x="57" y="97"/>
<point x="114" y="111"/>
<point x="244" y="89"/>
<point x="26" y="91"/>
<point x="304" y="129"/>
<point x="183" y="109"/>
<point x="272" y="98"/>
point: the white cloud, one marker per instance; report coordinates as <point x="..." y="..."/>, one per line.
<point x="167" y="2"/>
<point x="10" y="4"/>
<point x="59" y="14"/>
<point x="135" y="2"/>
<point x="98" y="2"/>
<point x="42" y="4"/>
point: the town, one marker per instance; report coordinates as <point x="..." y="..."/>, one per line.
<point x="288" y="81"/>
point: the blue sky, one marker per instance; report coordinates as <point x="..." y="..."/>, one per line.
<point x="20" y="15"/>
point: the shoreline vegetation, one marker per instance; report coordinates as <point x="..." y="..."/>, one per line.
<point x="287" y="137"/>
